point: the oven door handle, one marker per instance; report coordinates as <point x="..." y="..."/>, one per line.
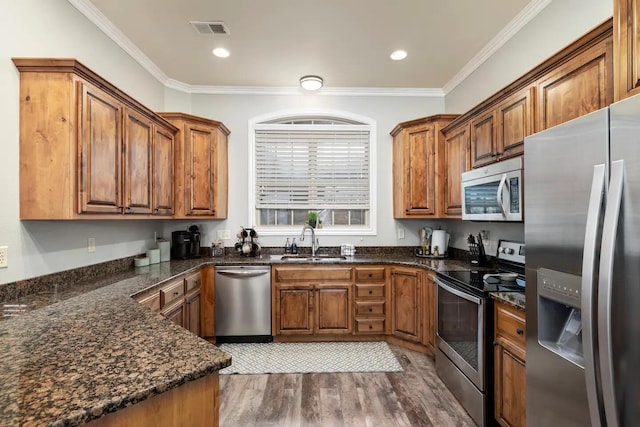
<point x="459" y="293"/>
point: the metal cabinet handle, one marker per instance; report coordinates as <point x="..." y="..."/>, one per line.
<point x="503" y="183"/>
<point x="519" y="331"/>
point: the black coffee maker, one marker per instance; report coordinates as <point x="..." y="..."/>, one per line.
<point x="185" y="244"/>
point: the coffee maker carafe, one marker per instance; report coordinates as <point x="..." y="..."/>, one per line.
<point x="194" y="250"/>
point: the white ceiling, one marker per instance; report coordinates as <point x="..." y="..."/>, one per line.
<point x="347" y="42"/>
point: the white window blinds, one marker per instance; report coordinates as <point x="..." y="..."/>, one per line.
<point x="312" y="166"/>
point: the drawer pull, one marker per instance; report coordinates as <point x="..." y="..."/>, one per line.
<point x="370" y="275"/>
<point x="370" y="326"/>
<point x="176" y="293"/>
<point x="495" y="344"/>
<point x="519" y="331"/>
<point x="370" y="309"/>
<point x="370" y="292"/>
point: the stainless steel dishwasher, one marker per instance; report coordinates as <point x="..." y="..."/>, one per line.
<point x="243" y="303"/>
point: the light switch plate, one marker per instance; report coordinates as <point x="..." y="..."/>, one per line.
<point x="91" y="244"/>
<point x="224" y="234"/>
<point x="400" y="233"/>
<point x="4" y="256"/>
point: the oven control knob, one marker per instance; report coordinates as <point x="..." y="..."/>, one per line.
<point x="501" y="250"/>
<point x="509" y="251"/>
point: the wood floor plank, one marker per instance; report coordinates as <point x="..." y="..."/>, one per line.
<point x="415" y="397"/>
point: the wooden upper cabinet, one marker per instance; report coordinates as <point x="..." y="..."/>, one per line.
<point x="626" y="49"/>
<point x="100" y="152"/>
<point x="87" y="149"/>
<point x="457" y="160"/>
<point x="201" y="175"/>
<point x="516" y="120"/>
<point x="138" y="150"/>
<point x="484" y="139"/>
<point x="499" y="133"/>
<point x="417" y="164"/>
<point x="163" y="191"/>
<point x="577" y="87"/>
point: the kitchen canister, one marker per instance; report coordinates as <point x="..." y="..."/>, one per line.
<point x="141" y="261"/>
<point x="165" y="249"/>
<point x="154" y="256"/>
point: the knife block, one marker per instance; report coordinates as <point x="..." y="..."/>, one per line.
<point x="477" y="257"/>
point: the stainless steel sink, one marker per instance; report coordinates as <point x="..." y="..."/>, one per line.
<point x="317" y="258"/>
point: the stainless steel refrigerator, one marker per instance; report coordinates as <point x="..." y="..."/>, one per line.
<point x="582" y="232"/>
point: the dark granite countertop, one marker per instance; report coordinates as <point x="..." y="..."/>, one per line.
<point x="515" y="299"/>
<point x="74" y="353"/>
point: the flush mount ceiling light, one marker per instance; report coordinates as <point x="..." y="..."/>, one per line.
<point x="398" y="55"/>
<point x="221" y="52"/>
<point x="311" y="82"/>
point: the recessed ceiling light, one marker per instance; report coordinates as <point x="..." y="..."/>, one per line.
<point x="221" y="52"/>
<point x="311" y="82"/>
<point x="398" y="55"/>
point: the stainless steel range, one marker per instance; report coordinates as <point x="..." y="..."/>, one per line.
<point x="464" y="359"/>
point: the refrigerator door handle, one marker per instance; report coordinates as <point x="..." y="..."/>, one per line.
<point x="501" y="186"/>
<point x="594" y="215"/>
<point x="605" y="284"/>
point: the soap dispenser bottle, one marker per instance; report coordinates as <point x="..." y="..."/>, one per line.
<point x="294" y="246"/>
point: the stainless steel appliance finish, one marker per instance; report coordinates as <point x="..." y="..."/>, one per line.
<point x="464" y="330"/>
<point x="493" y="192"/>
<point x="583" y="270"/>
<point x="243" y="304"/>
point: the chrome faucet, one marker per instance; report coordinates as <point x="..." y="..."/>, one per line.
<point x="314" y="242"/>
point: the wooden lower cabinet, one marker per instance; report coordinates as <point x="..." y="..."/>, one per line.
<point x="333" y="312"/>
<point x="294" y="309"/>
<point x="193" y="312"/>
<point x="370" y="304"/>
<point x="406" y="304"/>
<point x="509" y="366"/>
<point x="195" y="403"/>
<point x="429" y="311"/>
<point x="175" y="313"/>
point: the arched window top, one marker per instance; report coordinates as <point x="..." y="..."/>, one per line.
<point x="312" y="120"/>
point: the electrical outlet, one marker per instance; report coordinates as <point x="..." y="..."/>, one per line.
<point x="224" y="234"/>
<point x="155" y="236"/>
<point x="4" y="256"/>
<point x="400" y="233"/>
<point x="91" y="244"/>
<point x="485" y="235"/>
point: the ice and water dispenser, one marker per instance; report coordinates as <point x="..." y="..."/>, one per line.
<point x="560" y="314"/>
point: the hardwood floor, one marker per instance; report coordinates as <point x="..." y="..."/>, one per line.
<point x="415" y="397"/>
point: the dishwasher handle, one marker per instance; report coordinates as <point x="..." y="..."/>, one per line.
<point x="242" y="274"/>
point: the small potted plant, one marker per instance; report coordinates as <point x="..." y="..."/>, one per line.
<point x="312" y="218"/>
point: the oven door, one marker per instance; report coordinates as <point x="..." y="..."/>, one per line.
<point x="493" y="198"/>
<point x="461" y="330"/>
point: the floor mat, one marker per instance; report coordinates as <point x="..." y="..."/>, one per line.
<point x="284" y="358"/>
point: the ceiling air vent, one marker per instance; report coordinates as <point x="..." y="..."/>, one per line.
<point x="210" y="27"/>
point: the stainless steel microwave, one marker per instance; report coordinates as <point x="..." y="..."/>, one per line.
<point x="493" y="192"/>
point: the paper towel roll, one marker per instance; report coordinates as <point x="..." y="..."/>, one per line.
<point x="165" y="250"/>
<point x="439" y="238"/>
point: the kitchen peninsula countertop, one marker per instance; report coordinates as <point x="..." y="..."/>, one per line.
<point x="76" y="353"/>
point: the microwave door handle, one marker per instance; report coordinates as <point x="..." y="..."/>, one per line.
<point x="605" y="284"/>
<point x="594" y="216"/>
<point x="503" y="183"/>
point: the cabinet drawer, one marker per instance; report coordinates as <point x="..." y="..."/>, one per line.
<point x="192" y="281"/>
<point x="370" y="291"/>
<point x="310" y="274"/>
<point x="151" y="300"/>
<point x="510" y="324"/>
<point x="373" y="308"/>
<point x="374" y="326"/>
<point x="370" y="274"/>
<point x="171" y="292"/>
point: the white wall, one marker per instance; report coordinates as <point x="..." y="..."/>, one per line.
<point x="236" y="110"/>
<point x="555" y="27"/>
<point x="54" y="28"/>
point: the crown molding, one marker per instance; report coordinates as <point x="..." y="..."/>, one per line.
<point x="516" y="24"/>
<point x="98" y="19"/>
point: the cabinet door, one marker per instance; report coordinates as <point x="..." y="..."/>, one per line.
<point x="100" y="152"/>
<point x="580" y="86"/>
<point x="199" y="170"/>
<point x="515" y="122"/>
<point x="420" y="171"/>
<point x="406" y="308"/>
<point x="175" y="313"/>
<point x="333" y="309"/>
<point x="456" y="162"/>
<point x="163" y="146"/>
<point x="484" y="140"/>
<point x="510" y="376"/>
<point x="192" y="303"/>
<point x="294" y="308"/>
<point x="626" y="34"/>
<point x="138" y="140"/>
<point x="429" y="311"/>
